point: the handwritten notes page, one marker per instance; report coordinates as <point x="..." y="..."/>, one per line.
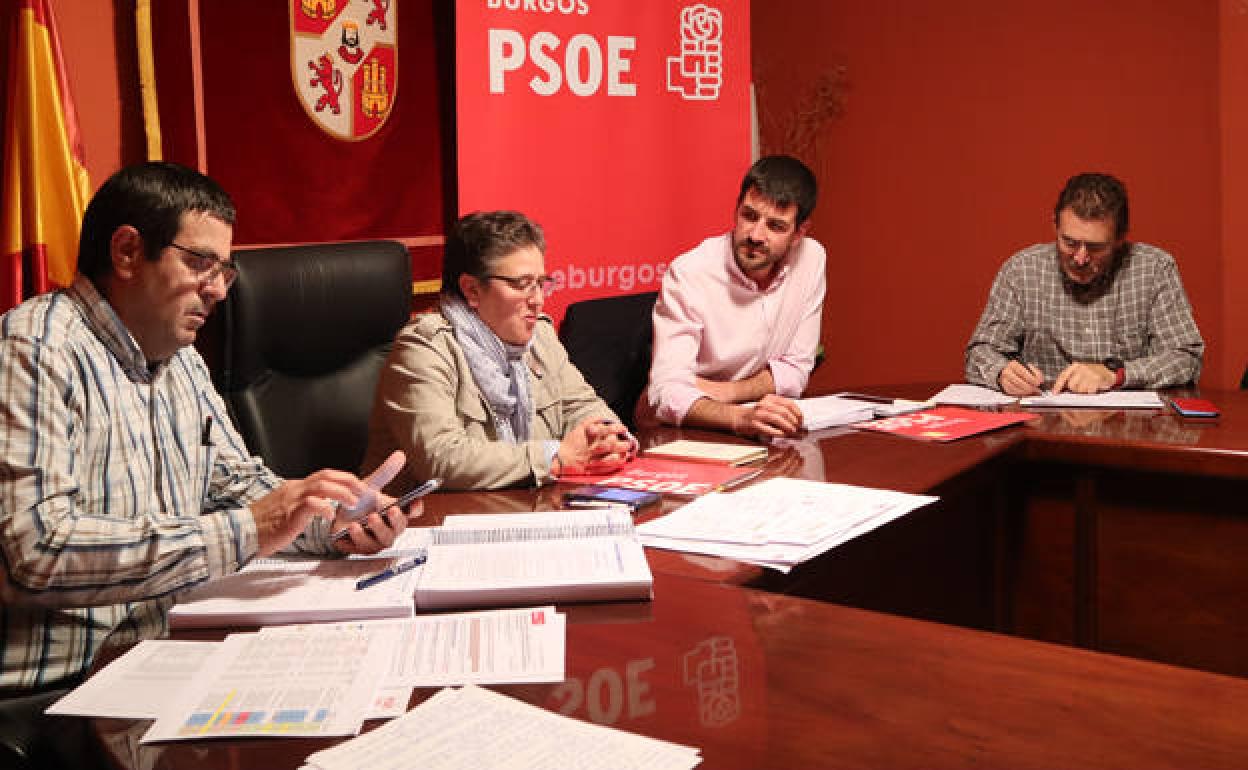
<point x="472" y="728"/>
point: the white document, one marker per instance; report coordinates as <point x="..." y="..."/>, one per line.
<point x="962" y="394"/>
<point x="291" y="590"/>
<point x="146" y="681"/>
<point x="472" y="728"/>
<point x="538" y="525"/>
<point x="487" y="647"/>
<point x="389" y="702"/>
<point x="141" y="684"/>
<point x="524" y="559"/>
<point x="410" y="542"/>
<point x="317" y="683"/>
<point x="1110" y="399"/>
<point x="778" y="522"/>
<point x="831" y="411"/>
<point x="503" y="573"/>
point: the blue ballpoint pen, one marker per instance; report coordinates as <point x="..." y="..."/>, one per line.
<point x="389" y="572"/>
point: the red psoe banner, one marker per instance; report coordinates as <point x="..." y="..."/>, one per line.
<point x="622" y="127"/>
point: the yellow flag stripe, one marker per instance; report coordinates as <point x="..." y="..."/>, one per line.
<point x="147" y="79"/>
<point x="45" y="185"/>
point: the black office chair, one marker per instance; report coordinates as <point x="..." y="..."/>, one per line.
<point x="30" y="740"/>
<point x="1243" y="381"/>
<point x="298" y="344"/>
<point x="610" y="340"/>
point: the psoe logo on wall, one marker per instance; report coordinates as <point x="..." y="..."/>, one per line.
<point x="345" y="63"/>
<point x="697" y="73"/>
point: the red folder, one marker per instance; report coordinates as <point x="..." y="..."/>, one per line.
<point x="945" y="423"/>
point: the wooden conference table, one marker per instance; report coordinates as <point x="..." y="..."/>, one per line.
<point x="1115" y="530"/>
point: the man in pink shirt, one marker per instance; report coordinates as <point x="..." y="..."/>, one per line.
<point x="737" y="321"/>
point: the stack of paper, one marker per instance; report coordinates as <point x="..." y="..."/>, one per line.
<point x="547" y="556"/>
<point x="295" y="590"/>
<point x="473" y="728"/>
<point x="962" y="394"/>
<point x="1110" y="399"/>
<point x="314" y="684"/>
<point x="301" y="680"/>
<point x="472" y="561"/>
<point x="831" y="411"/>
<point x="975" y="395"/>
<point x="778" y="523"/>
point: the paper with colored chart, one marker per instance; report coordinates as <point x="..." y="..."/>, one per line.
<point x="256" y="685"/>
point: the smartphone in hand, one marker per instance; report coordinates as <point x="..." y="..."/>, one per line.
<point x="401" y="502"/>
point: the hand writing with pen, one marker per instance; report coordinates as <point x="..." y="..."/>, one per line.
<point x="1020" y="379"/>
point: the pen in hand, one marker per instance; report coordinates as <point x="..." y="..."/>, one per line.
<point x="1019" y="378"/>
<point x="398" y="568"/>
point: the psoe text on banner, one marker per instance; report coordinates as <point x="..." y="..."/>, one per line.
<point x="582" y="66"/>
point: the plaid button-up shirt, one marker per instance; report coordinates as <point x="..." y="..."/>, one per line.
<point x="1137" y="312"/>
<point x="120" y="485"/>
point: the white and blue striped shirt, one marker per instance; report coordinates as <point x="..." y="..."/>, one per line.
<point x="120" y="486"/>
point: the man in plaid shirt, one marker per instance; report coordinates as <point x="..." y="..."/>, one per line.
<point x="1088" y="312"/>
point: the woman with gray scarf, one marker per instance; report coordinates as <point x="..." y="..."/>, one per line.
<point x="481" y="393"/>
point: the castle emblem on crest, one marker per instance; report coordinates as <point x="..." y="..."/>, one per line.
<point x="344" y="62"/>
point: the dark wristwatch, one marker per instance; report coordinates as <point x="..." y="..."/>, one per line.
<point x="1119" y="369"/>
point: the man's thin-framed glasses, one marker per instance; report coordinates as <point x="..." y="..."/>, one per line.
<point x="1093" y="247"/>
<point x="526" y="283"/>
<point x="207" y="266"/>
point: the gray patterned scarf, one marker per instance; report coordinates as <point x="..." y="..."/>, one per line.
<point x="497" y="366"/>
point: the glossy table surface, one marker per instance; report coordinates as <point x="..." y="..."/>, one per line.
<point x="759" y="679"/>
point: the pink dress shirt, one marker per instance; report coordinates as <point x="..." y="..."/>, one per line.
<point x="712" y="321"/>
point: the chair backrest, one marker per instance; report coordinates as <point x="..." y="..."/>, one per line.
<point x="609" y="340"/>
<point x="1243" y="381"/>
<point x="298" y="345"/>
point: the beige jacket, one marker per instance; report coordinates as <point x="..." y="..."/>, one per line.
<point x="428" y="405"/>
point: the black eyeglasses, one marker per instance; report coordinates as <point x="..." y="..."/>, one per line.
<point x="526" y="283"/>
<point x="1095" y="248"/>
<point x="208" y="266"/>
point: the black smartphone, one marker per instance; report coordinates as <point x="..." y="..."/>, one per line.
<point x="594" y="496"/>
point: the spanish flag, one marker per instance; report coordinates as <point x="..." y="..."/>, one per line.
<point x="45" y="181"/>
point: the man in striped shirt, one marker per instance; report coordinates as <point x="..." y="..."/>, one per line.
<point x="122" y="480"/>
